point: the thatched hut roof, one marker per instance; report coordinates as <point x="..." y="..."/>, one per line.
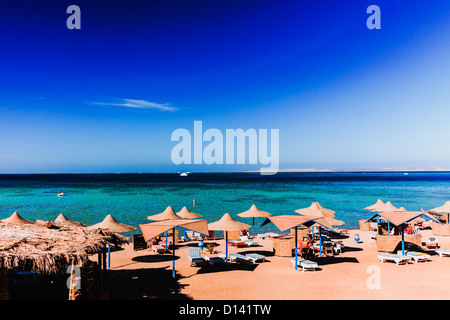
<point x="46" y="250"/>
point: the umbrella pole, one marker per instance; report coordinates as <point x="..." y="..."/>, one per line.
<point x="166" y="241"/>
<point x="253" y="227"/>
<point x="173" y="253"/>
<point x="403" y="241"/>
<point x="296" y="254"/>
<point x="226" y="246"/>
<point x="109" y="256"/>
<point x="320" y="242"/>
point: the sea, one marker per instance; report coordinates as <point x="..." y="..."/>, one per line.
<point x="130" y="198"/>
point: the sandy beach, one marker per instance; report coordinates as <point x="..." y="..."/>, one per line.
<point x="142" y="274"/>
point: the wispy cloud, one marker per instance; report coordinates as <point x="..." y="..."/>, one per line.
<point x="139" y="104"/>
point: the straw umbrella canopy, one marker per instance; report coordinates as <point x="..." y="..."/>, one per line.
<point x="286" y="222"/>
<point x="227" y="223"/>
<point x="388" y="207"/>
<point x="167" y="214"/>
<point x="15" y="218"/>
<point x="111" y="224"/>
<point x="401" y="218"/>
<point x="313" y="208"/>
<point x="156" y="228"/>
<point x="62" y="220"/>
<point x="253" y="213"/>
<point x="375" y="206"/>
<point x="443" y="209"/>
<point x="331" y="221"/>
<point x="187" y="214"/>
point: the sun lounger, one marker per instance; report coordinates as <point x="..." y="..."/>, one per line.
<point x="432" y="243"/>
<point x="237" y="257"/>
<point x="254" y="257"/>
<point x="305" y="264"/>
<point x="236" y="243"/>
<point x="195" y="256"/>
<point x="249" y="242"/>
<point x="415" y="255"/>
<point x="393" y="257"/>
<point x="158" y="248"/>
<point x="443" y="252"/>
<point x="214" y="259"/>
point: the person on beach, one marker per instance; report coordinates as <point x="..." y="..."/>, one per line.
<point x="201" y="244"/>
<point x="193" y="202"/>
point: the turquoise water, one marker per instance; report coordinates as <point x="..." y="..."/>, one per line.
<point x="130" y="198"/>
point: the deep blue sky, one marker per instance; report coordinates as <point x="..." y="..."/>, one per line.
<point x="343" y="96"/>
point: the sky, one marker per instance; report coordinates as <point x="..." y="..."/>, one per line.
<point x="107" y="97"/>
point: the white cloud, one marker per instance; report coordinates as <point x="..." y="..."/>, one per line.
<point x="139" y="104"/>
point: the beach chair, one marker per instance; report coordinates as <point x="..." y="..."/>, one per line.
<point x="158" y="248"/>
<point x="415" y="255"/>
<point x="393" y="257"/>
<point x="214" y="259"/>
<point x="305" y="264"/>
<point x="249" y="242"/>
<point x="195" y="256"/>
<point x="432" y="243"/>
<point x="237" y="257"/>
<point x="254" y="257"/>
<point x="443" y="252"/>
<point x="236" y="243"/>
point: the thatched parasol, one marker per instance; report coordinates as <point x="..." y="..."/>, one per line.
<point x="253" y="213"/>
<point x="167" y="214"/>
<point x="443" y="209"/>
<point x="330" y="221"/>
<point x="227" y="223"/>
<point x="153" y="229"/>
<point x="313" y="208"/>
<point x="15" y="218"/>
<point x="112" y="225"/>
<point x="62" y="220"/>
<point x="286" y="222"/>
<point x="387" y="207"/>
<point x="375" y="206"/>
<point x="185" y="213"/>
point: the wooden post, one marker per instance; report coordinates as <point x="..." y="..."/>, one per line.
<point x="104" y="268"/>
<point x="4" y="292"/>
<point x="100" y="272"/>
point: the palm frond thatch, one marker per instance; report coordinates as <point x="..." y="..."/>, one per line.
<point x="47" y="250"/>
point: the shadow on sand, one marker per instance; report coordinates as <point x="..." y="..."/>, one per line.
<point x="227" y="266"/>
<point x="144" y="284"/>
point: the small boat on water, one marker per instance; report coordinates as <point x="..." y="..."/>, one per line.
<point x="183" y="174"/>
<point x="60" y="194"/>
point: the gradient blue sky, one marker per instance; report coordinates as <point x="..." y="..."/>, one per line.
<point x="343" y="96"/>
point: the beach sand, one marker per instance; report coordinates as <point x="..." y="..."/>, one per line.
<point x="142" y="274"/>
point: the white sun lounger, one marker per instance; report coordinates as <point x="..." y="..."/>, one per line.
<point x="415" y="255"/>
<point x="249" y="242"/>
<point x="254" y="257"/>
<point x="237" y="257"/>
<point x="305" y="264"/>
<point x="393" y="257"/>
<point x="443" y="252"/>
<point x="158" y="248"/>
